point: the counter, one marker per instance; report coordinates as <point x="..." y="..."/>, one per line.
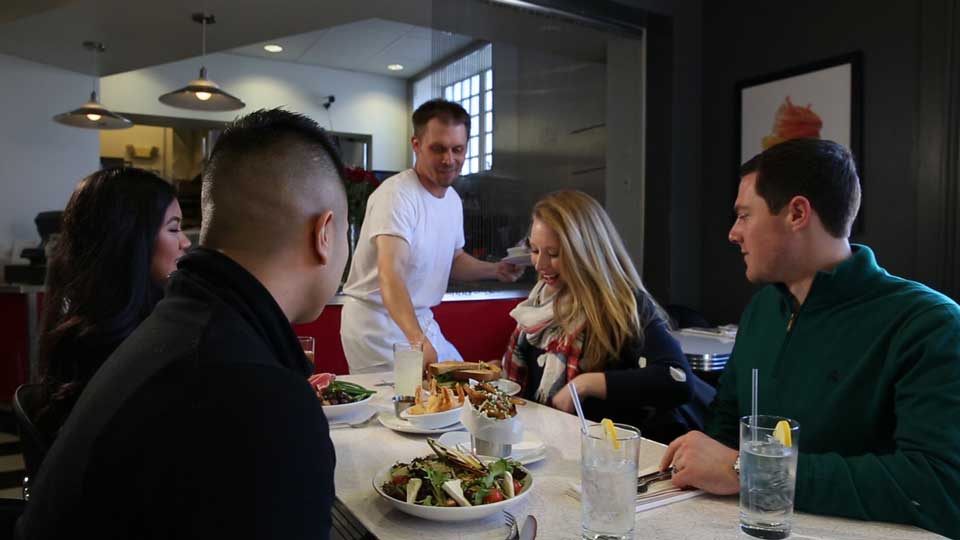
<point x="363" y="451"/>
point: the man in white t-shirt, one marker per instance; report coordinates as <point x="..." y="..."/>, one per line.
<point x="410" y="244"/>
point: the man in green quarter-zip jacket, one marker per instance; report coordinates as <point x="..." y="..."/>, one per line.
<point x="866" y="362"/>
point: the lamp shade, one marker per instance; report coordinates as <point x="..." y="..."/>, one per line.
<point x="93" y="115"/>
<point x="202" y="95"/>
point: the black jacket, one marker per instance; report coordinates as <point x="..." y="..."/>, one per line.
<point x="663" y="404"/>
<point x="200" y="425"/>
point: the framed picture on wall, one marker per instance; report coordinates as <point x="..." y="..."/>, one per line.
<point x="821" y="99"/>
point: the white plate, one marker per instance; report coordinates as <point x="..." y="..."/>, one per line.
<point x="507" y="386"/>
<point x="519" y="260"/>
<point x="389" y="420"/>
<point x="433" y="420"/>
<point x="457" y="513"/>
<point x="530" y="450"/>
<point x="348" y="411"/>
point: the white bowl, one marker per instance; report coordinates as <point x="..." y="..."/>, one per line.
<point x="433" y="420"/>
<point x="347" y="412"/>
<point x="455" y="513"/>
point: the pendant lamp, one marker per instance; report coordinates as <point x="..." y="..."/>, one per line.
<point x="92" y="114"/>
<point x="202" y="94"/>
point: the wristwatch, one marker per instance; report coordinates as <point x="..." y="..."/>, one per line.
<point x="736" y="465"/>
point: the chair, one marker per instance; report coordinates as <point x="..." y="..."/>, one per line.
<point x="26" y="403"/>
<point x="685" y="317"/>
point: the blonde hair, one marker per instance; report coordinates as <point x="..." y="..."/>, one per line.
<point x="600" y="281"/>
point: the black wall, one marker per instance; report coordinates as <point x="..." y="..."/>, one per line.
<point x="749" y="38"/>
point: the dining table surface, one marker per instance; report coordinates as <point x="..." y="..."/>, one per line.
<point x="370" y="447"/>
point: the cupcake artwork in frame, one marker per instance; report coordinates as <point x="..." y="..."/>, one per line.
<point x="820" y="100"/>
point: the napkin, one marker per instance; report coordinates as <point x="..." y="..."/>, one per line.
<point x="658" y="494"/>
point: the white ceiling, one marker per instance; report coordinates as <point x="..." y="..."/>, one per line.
<point x="362" y="35"/>
<point x="369" y="46"/>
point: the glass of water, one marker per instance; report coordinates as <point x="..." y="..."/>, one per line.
<point x="768" y="477"/>
<point x="608" y="476"/>
<point x="407" y="367"/>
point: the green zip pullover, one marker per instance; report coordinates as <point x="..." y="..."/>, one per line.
<point x="869" y="365"/>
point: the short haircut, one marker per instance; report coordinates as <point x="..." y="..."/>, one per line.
<point x="270" y="173"/>
<point x="822" y="171"/>
<point x="448" y="112"/>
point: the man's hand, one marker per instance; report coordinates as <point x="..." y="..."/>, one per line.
<point x="508" y="273"/>
<point x="703" y="463"/>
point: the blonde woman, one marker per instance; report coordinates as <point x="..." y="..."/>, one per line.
<point x="589" y="320"/>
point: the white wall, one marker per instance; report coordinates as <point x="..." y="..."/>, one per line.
<point x="365" y="103"/>
<point x="41" y="161"/>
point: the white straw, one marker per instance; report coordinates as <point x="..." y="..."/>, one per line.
<point x="753" y="403"/>
<point x="578" y="407"/>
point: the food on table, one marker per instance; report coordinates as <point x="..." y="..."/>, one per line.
<point x="455" y="479"/>
<point x="793" y="122"/>
<point x="330" y="391"/>
<point x="492" y="402"/>
<point x="448" y="372"/>
<point x="441" y="399"/>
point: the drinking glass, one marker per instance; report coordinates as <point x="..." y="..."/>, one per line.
<point x="407" y="367"/>
<point x="608" y="477"/>
<point x="768" y="476"/>
<point x="308" y="343"/>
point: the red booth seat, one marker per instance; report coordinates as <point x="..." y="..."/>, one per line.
<point x="478" y="328"/>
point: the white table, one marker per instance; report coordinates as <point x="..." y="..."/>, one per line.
<point x="363" y="451"/>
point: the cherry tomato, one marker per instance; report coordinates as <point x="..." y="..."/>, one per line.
<point x="494" y="496"/>
<point x="517" y="487"/>
<point x="400" y="480"/>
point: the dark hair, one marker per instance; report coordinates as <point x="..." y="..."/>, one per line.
<point x="822" y="171"/>
<point x="265" y="127"/>
<point x="449" y="112"/>
<point x="98" y="280"/>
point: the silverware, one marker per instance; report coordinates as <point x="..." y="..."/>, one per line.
<point x="643" y="482"/>
<point x="656" y="494"/>
<point x="514" y="532"/>
<point x="529" y="530"/>
<point x="362" y="423"/>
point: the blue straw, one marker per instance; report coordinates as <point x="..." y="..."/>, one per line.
<point x="576" y="405"/>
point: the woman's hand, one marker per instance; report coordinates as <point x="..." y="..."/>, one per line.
<point x="589" y="385"/>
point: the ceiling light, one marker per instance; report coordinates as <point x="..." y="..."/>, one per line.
<point x="272" y="48"/>
<point x="202" y="94"/>
<point x="92" y="114"/>
<point x="395" y="67"/>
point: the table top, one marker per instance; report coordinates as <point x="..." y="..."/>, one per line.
<point x="363" y="451"/>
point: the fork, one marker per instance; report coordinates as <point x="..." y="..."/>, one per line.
<point x="511" y="521"/>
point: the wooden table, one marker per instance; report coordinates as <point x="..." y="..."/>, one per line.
<point x="363" y="451"/>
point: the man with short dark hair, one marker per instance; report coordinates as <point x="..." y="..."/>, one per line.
<point x="411" y="243"/>
<point x="866" y="362"/>
<point x="202" y="423"/>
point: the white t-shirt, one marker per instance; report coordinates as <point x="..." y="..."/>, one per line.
<point x="432" y="227"/>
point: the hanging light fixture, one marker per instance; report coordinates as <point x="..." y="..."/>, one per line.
<point x="92" y="114"/>
<point x="202" y="94"/>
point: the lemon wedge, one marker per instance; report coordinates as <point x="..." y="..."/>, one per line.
<point x="782" y="433"/>
<point x="612" y="432"/>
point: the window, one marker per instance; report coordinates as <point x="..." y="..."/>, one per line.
<point x="469" y="82"/>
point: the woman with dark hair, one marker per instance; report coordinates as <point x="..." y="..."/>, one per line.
<point x="119" y="241"/>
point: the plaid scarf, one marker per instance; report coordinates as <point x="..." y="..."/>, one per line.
<point x="560" y="359"/>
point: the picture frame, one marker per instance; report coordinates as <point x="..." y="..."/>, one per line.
<point x="822" y="98"/>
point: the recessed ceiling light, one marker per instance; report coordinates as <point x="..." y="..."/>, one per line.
<point x="395" y="67"/>
<point x="273" y="48"/>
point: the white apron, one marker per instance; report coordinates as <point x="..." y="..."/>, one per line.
<point x="368" y="333"/>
